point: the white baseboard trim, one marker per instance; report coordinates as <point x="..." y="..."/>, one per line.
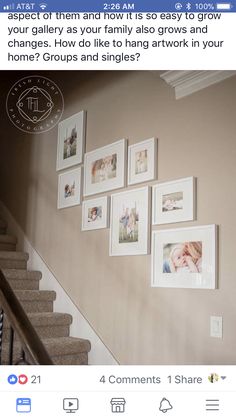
<point x="99" y="354"/>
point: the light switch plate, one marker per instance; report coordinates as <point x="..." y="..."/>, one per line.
<point x="216" y="327"/>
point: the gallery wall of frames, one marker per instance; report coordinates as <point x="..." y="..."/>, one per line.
<point x="180" y="257"/>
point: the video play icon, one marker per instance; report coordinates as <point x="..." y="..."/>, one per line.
<point x="70" y="405"/>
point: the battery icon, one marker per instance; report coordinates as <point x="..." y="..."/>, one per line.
<point x="223" y="6"/>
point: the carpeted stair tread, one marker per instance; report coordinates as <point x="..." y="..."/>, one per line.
<point x="44" y="319"/>
<point x="7" y="243"/>
<point x="13" y="260"/>
<point x="20" y="279"/>
<point x="47" y="325"/>
<point x="29" y="295"/>
<point x="36" y="301"/>
<point x="66" y="346"/>
<point x="22" y="274"/>
<point x="6" y="238"/>
<point x="14" y="255"/>
<point x="47" y="319"/>
<point x="73" y="359"/>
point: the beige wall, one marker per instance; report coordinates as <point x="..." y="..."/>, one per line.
<point x="196" y="136"/>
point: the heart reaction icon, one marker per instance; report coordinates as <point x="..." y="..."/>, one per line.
<point x="22" y="379"/>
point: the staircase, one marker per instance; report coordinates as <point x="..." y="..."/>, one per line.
<point x="53" y="328"/>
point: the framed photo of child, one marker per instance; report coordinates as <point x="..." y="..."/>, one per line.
<point x="142" y="161"/>
<point x="130" y="226"/>
<point x="71" y="141"/>
<point x="174" y="201"/>
<point x="69" y="188"/>
<point x="95" y="213"/>
<point x="185" y="258"/>
<point x="105" y="168"/>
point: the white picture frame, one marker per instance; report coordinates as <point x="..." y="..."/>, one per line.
<point x="142" y="161"/>
<point x="95" y="213"/>
<point x="130" y="222"/>
<point x="105" y="168"/>
<point x="71" y="141"/>
<point x="185" y="257"/>
<point x="69" y="188"/>
<point x="174" y="201"/>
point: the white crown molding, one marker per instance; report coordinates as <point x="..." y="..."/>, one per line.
<point x="187" y="82"/>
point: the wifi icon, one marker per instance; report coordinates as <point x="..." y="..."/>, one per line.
<point x="43" y="6"/>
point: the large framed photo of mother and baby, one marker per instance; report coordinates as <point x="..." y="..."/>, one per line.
<point x="185" y="258"/>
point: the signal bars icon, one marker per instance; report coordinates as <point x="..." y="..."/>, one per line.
<point x="9" y="7"/>
<point x="43" y="6"/>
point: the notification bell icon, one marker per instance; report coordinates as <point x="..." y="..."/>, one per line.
<point x="165" y="405"/>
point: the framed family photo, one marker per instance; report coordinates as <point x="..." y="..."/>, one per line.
<point x="69" y="188"/>
<point x="105" y="168"/>
<point x="71" y="141"/>
<point x="173" y="202"/>
<point x="95" y="213"/>
<point x="130" y="226"/>
<point x="142" y="161"/>
<point x="185" y="258"/>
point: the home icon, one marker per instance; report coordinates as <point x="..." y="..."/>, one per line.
<point x="118" y="405"/>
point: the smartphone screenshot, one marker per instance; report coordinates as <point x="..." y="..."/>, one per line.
<point x="117" y="209"/>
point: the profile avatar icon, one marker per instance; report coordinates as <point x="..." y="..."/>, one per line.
<point x="213" y="378"/>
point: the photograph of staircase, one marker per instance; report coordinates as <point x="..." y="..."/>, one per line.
<point x="52" y="328"/>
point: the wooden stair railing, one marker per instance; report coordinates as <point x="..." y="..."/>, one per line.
<point x="21" y="325"/>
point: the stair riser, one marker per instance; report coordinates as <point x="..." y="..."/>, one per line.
<point x="76" y="359"/>
<point x="24" y="284"/>
<point x="13" y="264"/>
<point x="43" y="332"/>
<point x="9" y="247"/>
<point x="37" y="306"/>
